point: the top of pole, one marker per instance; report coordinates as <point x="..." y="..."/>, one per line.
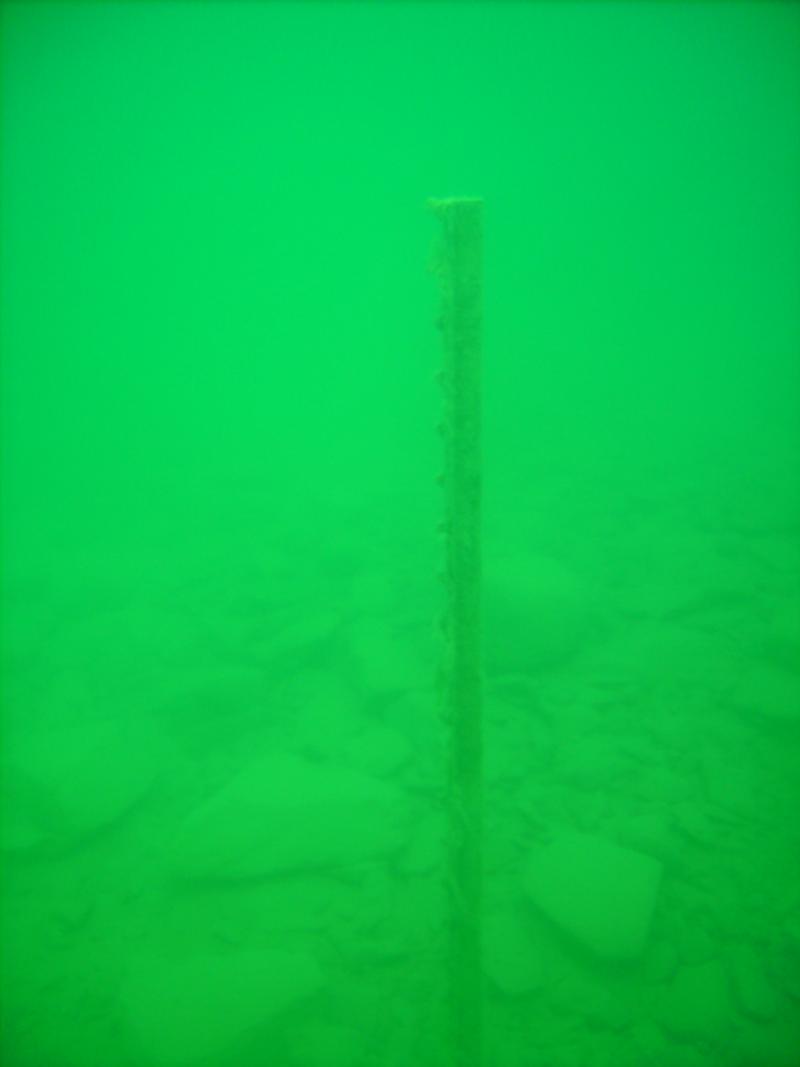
<point x="447" y="202"/>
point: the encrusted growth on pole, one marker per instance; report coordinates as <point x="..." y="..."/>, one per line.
<point x="459" y="269"/>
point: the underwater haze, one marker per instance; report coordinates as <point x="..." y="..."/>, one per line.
<point x="229" y="820"/>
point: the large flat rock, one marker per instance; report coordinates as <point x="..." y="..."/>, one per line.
<point x="285" y="814"/>
<point x="207" y="1008"/>
<point x="599" y="893"/>
<point x="64" y="783"/>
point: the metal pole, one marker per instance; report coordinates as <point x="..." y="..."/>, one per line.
<point x="459" y="270"/>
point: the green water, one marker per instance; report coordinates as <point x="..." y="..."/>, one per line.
<point x="225" y="798"/>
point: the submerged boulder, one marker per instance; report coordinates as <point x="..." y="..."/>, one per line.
<point x="63" y="784"/>
<point x="283" y="813"/>
<point x="599" y="893"/>
<point x="208" y="1008"/>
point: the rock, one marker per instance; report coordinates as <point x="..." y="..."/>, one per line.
<point x="511" y="694"/>
<point x="21" y="831"/>
<point x="591" y="762"/>
<point x="270" y="908"/>
<point x="659" y="785"/>
<point x="316" y="710"/>
<point x="695" y="941"/>
<point x="601" y="894"/>
<point x="375" y="590"/>
<point x="327" y="1045"/>
<point x="781" y="643"/>
<point x="730" y="782"/>
<point x="784" y="957"/>
<point x="768" y="694"/>
<point x="205" y="1008"/>
<point x="649" y="832"/>
<point x="508" y="753"/>
<point x="691" y="819"/>
<point x="512" y="959"/>
<point x="389" y="924"/>
<point x="128" y="651"/>
<point x="217" y="696"/>
<point x="770" y="1044"/>
<point x="602" y="996"/>
<point x="378" y="750"/>
<point x="298" y="639"/>
<point x="587" y="811"/>
<point x="283" y="813"/>
<point x="63" y="784"/>
<point x="791" y="931"/>
<point x="387" y="660"/>
<point x="653" y="1047"/>
<point x="663" y="657"/>
<point x="661" y="962"/>
<point x="425" y="850"/>
<point x="210" y="710"/>
<point x="650" y="1043"/>
<point x="537" y="613"/>
<point x="416" y="715"/>
<point x="695" y="1006"/>
<point x="753" y="993"/>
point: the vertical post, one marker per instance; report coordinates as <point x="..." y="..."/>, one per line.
<point x="459" y="270"/>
